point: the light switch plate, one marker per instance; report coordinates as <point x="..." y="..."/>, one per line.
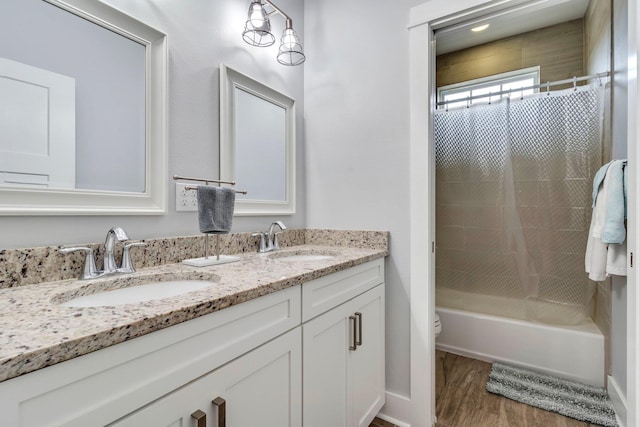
<point x="186" y="200"/>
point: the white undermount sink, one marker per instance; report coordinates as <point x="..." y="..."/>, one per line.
<point x="138" y="293"/>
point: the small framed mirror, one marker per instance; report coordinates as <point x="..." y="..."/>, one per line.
<point x="83" y="110"/>
<point x="257" y="144"/>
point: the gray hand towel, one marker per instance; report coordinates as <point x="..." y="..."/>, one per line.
<point x="215" y="209"/>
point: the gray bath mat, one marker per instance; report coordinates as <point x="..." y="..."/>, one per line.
<point x="572" y="399"/>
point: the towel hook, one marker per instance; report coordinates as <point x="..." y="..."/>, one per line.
<point x="446" y="105"/>
<point x="575" y="82"/>
<point x="521" y="93"/>
<point x="548" y="88"/>
<point x="489" y="97"/>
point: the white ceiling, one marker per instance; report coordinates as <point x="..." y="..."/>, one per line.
<point x="522" y="18"/>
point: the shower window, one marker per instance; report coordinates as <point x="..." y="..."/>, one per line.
<point x="523" y="78"/>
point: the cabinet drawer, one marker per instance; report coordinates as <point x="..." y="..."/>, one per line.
<point x="261" y="388"/>
<point x="100" y="387"/>
<point x="321" y="295"/>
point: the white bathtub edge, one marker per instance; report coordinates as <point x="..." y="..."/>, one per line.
<point x="618" y="400"/>
<point x="569" y="353"/>
<point x="490" y="358"/>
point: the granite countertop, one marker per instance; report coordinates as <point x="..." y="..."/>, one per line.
<point x="35" y="331"/>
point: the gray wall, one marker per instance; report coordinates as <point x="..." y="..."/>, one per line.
<point x="357" y="136"/>
<point x="201" y="34"/>
<point x="619" y="151"/>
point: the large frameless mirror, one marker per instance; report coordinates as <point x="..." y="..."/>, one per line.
<point x="257" y="144"/>
<point x="82" y="110"/>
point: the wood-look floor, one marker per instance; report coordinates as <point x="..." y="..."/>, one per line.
<point x="377" y="422"/>
<point x="462" y="401"/>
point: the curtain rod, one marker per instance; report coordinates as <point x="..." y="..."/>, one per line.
<point x="573" y="80"/>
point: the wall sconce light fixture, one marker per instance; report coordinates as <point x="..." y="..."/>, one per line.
<point x="257" y="32"/>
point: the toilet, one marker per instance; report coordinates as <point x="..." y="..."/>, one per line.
<point x="437" y="325"/>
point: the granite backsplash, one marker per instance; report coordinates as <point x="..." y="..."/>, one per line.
<point x="27" y="266"/>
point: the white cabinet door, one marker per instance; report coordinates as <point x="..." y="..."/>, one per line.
<point x="343" y="368"/>
<point x="366" y="383"/>
<point x="325" y="343"/>
<point x="261" y="388"/>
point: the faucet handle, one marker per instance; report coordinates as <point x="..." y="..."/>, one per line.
<point x="262" y="247"/>
<point x="276" y="242"/>
<point x="127" y="265"/>
<point x="89" y="270"/>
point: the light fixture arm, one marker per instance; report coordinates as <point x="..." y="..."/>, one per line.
<point x="276" y="9"/>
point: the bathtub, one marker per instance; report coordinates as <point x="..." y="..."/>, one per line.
<point x="572" y="352"/>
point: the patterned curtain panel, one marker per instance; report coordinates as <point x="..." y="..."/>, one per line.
<point x="513" y="196"/>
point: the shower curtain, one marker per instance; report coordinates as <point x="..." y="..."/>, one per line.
<point x="513" y="197"/>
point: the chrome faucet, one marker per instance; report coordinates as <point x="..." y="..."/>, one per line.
<point x="109" y="266"/>
<point x="269" y="240"/>
<point x="90" y="271"/>
<point x="272" y="238"/>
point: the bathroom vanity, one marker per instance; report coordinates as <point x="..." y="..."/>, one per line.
<point x="276" y="342"/>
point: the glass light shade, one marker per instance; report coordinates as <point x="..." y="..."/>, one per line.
<point x="290" y="52"/>
<point x="289" y="38"/>
<point x="257" y="15"/>
<point x="257" y="29"/>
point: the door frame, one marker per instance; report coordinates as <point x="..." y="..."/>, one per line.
<point x="423" y="19"/>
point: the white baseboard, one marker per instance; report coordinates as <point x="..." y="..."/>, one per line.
<point x="396" y="409"/>
<point x="618" y="400"/>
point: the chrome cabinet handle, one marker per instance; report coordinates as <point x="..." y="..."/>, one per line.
<point x="353" y="347"/>
<point x="222" y="411"/>
<point x="200" y="417"/>
<point x="359" y="340"/>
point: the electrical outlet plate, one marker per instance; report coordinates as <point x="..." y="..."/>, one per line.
<point x="186" y="200"/>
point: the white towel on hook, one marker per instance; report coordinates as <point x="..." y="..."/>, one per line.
<point x="617" y="259"/>
<point x="595" y="259"/>
<point x="601" y="259"/>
